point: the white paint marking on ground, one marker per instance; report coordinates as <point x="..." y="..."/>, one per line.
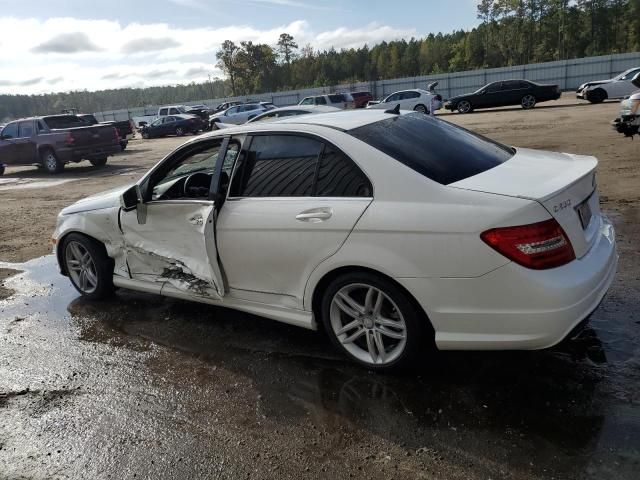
<point x="22" y="183"/>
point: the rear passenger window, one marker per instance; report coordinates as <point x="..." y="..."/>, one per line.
<point x="277" y="166"/>
<point x="321" y="101"/>
<point x="336" y="98"/>
<point x="338" y="176"/>
<point x="25" y="129"/>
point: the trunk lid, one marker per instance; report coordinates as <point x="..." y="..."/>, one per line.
<point x="563" y="183"/>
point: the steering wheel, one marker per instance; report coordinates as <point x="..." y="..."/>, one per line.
<point x="197" y="185"/>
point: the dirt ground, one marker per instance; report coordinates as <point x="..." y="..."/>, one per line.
<point x="148" y="387"/>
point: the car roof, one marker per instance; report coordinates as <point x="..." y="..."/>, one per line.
<point x="340" y="120"/>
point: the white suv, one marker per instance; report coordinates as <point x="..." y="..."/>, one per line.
<point x="417" y="99"/>
<point x="600" y="90"/>
<point x="338" y="100"/>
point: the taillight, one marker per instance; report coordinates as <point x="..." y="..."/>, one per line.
<point x="538" y="246"/>
<point x="69" y="140"/>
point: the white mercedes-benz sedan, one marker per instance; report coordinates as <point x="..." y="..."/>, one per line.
<point x="396" y="232"/>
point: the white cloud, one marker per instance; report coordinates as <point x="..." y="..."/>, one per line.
<point x="99" y="54"/>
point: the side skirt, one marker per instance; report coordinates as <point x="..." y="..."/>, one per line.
<point x="298" y="318"/>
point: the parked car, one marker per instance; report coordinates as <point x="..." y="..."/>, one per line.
<point x="126" y="129"/>
<point x="239" y="114"/>
<point x="367" y="221"/>
<point x="628" y="123"/>
<point x="226" y="105"/>
<point x="200" y="111"/>
<point x="53" y="141"/>
<point x="360" y="99"/>
<point x="508" y="92"/>
<point x="339" y="100"/>
<point x="172" y="110"/>
<point x="600" y="90"/>
<point x="283" y="112"/>
<point x="178" y="125"/>
<point x="415" y="99"/>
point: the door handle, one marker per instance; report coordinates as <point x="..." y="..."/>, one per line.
<point x="315" y="215"/>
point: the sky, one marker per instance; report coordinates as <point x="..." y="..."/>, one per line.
<point x="53" y="45"/>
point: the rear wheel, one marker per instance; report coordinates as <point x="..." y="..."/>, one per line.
<point x="597" y="96"/>
<point x="179" y="131"/>
<point x="145" y="135"/>
<point x="99" y="162"/>
<point x="50" y="161"/>
<point x="88" y="266"/>
<point x="1" y="169"/>
<point x="421" y="108"/>
<point x="528" y="102"/>
<point x="372" y="321"/>
<point x="464" y="106"/>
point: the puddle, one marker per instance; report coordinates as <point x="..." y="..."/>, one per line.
<point x="207" y="378"/>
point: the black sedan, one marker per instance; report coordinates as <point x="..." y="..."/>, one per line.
<point x="173" y="125"/>
<point x="507" y="92"/>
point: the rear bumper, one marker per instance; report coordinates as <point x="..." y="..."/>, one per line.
<point x="88" y="153"/>
<point x="514" y="308"/>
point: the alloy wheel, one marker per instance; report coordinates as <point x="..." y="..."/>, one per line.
<point x="368" y="324"/>
<point x="81" y="267"/>
<point x="528" y="101"/>
<point x="51" y="161"/>
<point x="464" y="107"/>
<point x="420" y="108"/>
<point x="179" y="131"/>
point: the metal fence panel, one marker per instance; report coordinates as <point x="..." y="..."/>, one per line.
<point x="568" y="74"/>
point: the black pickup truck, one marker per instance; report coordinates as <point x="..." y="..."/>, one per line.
<point x="125" y="128"/>
<point x="55" y="140"/>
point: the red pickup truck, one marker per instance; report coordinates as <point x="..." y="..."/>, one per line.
<point x="55" y="140"/>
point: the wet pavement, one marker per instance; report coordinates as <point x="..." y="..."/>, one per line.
<point x="147" y="387"/>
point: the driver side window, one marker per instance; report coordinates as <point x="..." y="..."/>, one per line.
<point x="190" y="177"/>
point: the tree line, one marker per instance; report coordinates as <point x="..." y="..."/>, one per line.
<point x="511" y="32"/>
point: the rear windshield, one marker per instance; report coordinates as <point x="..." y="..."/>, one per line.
<point x="64" y="121"/>
<point x="434" y="148"/>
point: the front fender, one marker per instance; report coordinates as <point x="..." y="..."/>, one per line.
<point x="101" y="225"/>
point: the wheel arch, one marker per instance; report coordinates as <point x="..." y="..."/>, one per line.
<point x="60" y="242"/>
<point x="316" y="290"/>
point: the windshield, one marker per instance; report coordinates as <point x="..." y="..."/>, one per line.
<point x="439" y="150"/>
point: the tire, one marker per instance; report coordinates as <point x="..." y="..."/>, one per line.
<point x="421" y="108"/>
<point x="464" y="106"/>
<point x="99" y="162"/>
<point x="123" y="145"/>
<point x="145" y="135"/>
<point x="597" y="96"/>
<point x="2" y="167"/>
<point x="50" y="161"/>
<point x="179" y="131"/>
<point x="88" y="266"/>
<point x="528" y="102"/>
<point x="360" y="333"/>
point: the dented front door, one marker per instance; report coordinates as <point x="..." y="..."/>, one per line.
<point x="172" y="243"/>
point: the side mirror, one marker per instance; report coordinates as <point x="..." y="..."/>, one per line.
<point x="129" y="199"/>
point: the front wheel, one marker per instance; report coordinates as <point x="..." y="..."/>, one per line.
<point x="464" y="106"/>
<point x="145" y="135"/>
<point x="528" y="102"/>
<point x="1" y="169"/>
<point x="88" y="266"/>
<point x="179" y="131"/>
<point x="597" y="96"/>
<point x="373" y="321"/>
<point x="99" y="162"/>
<point x="50" y="161"/>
